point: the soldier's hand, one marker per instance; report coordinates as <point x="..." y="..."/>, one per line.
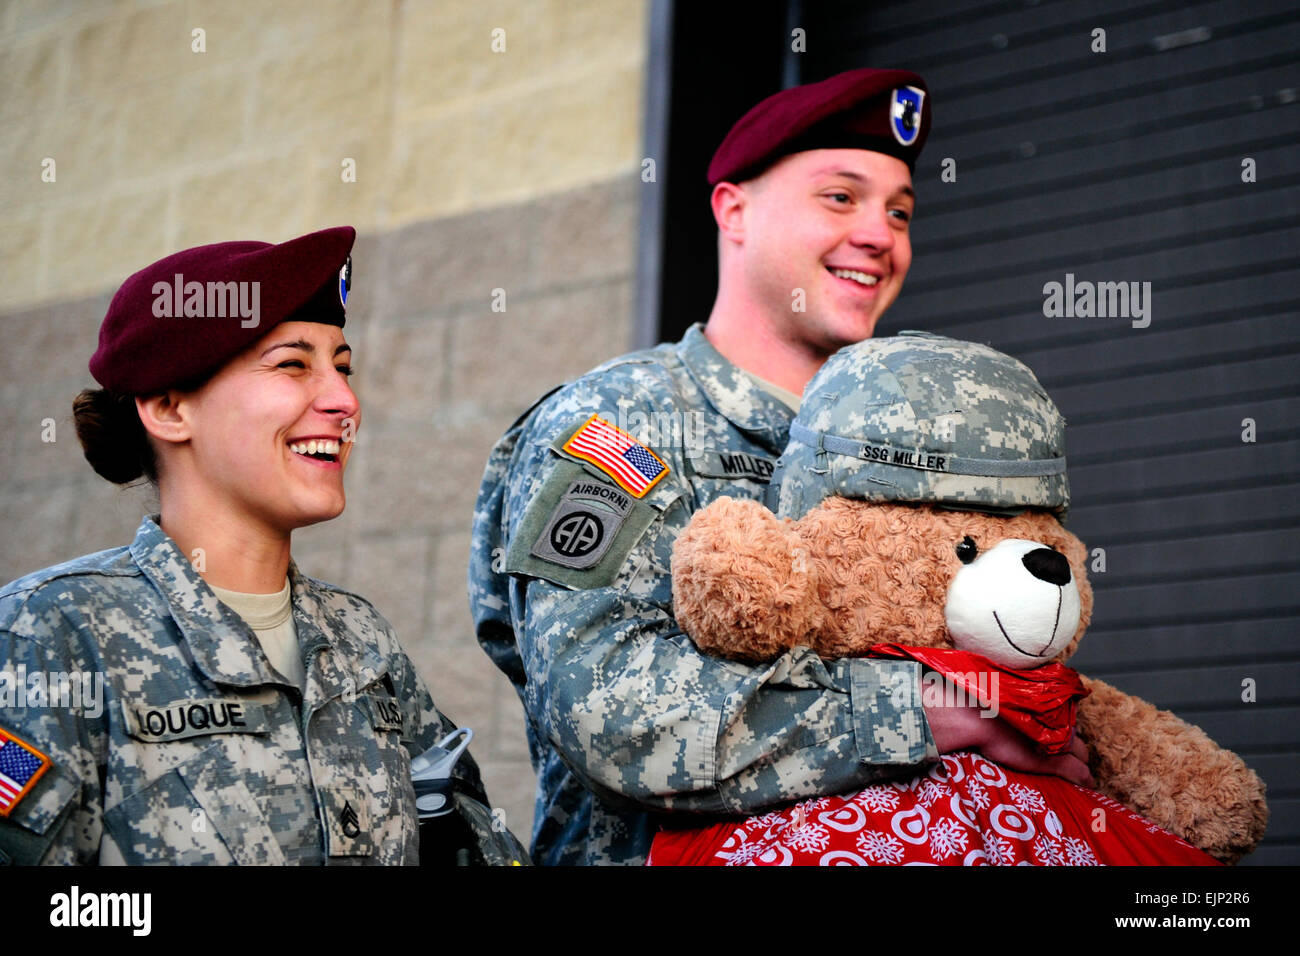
<point x="963" y="728"/>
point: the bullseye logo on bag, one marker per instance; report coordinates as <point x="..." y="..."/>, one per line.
<point x="583" y="525"/>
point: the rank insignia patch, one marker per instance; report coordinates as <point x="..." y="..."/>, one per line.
<point x="631" y="464"/>
<point x="21" y="765"/>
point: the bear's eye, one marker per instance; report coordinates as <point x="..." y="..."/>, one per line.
<point x="966" y="551"/>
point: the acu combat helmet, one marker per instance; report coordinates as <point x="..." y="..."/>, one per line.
<point x="924" y="418"/>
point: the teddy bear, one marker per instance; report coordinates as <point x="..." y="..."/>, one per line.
<point x="965" y="567"/>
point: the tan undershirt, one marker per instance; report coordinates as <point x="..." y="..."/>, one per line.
<point x="782" y="395"/>
<point x="271" y="618"/>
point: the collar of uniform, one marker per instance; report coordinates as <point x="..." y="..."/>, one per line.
<point x="222" y="645"/>
<point x="338" y="661"/>
<point x="733" y="393"/>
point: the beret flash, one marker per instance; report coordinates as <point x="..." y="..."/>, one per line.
<point x="183" y="317"/>
<point x="885" y="111"/>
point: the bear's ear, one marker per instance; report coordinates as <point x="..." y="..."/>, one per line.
<point x="743" y="582"/>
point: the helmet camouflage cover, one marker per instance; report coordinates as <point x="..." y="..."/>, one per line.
<point x="924" y="418"/>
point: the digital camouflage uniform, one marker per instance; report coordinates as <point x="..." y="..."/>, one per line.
<point x="626" y="718"/>
<point x="198" y="755"/>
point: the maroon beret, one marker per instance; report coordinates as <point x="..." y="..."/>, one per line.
<point x="884" y="111"/>
<point x="183" y="317"/>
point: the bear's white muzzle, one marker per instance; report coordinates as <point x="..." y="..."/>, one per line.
<point x="1017" y="604"/>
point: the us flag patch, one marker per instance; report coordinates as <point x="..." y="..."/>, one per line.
<point x="631" y="464"/>
<point x="21" y="765"/>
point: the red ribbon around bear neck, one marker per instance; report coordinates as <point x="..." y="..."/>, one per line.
<point x="1042" y="703"/>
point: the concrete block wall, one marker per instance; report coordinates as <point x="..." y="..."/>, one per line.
<point x="476" y="170"/>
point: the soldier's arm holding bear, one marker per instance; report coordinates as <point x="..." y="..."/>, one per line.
<point x="636" y="710"/>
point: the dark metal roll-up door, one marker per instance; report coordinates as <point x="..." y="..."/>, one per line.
<point x="1169" y="160"/>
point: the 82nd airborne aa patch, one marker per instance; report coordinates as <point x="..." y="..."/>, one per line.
<point x="583" y="526"/>
<point x="633" y="466"/>
<point x="578" y="529"/>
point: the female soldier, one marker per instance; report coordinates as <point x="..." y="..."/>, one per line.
<point x="248" y="714"/>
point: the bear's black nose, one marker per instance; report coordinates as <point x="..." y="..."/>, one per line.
<point x="1048" y="565"/>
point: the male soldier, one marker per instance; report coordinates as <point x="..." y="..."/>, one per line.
<point x="575" y="522"/>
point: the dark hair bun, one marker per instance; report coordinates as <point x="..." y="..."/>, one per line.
<point x="112" y="437"/>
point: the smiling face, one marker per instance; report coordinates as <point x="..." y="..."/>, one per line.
<point x="1017" y="602"/>
<point x="916" y="574"/>
<point x="834" y="223"/>
<point x="269" y="431"/>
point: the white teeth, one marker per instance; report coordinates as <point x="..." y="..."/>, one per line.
<point x="859" y="277"/>
<point x="324" y="446"/>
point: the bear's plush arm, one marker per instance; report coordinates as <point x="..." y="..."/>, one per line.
<point x="743" y="582"/>
<point x="1170" y="772"/>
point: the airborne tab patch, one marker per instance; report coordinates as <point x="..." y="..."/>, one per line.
<point x="583" y="525"/>
<point x="631" y="464"/>
<point x="579" y="528"/>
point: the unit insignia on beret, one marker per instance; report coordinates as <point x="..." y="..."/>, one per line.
<point x="905" y="109"/>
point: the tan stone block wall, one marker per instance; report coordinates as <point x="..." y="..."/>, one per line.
<point x="247" y="138"/>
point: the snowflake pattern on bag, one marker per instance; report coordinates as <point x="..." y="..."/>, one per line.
<point x="964" y="810"/>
